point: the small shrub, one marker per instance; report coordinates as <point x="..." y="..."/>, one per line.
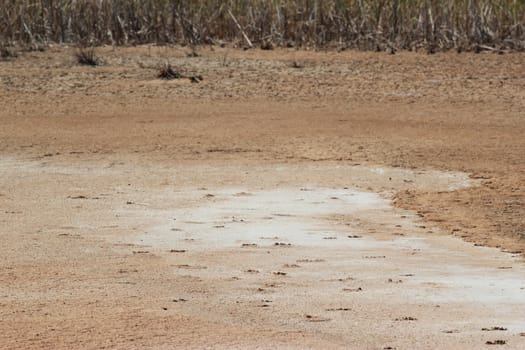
<point x="87" y="57"/>
<point x="167" y="72"/>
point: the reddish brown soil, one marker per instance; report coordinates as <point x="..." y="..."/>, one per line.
<point x="445" y="112"/>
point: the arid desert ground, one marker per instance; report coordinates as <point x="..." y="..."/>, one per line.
<point x="289" y="200"/>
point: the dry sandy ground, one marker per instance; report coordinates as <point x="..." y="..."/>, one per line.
<point x="361" y="201"/>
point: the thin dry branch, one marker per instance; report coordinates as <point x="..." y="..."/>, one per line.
<point x="248" y="41"/>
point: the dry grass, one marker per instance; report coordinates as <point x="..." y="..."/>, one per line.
<point x="167" y="72"/>
<point x="431" y="25"/>
<point x="87" y="57"/>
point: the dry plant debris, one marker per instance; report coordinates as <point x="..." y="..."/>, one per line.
<point x="87" y="57"/>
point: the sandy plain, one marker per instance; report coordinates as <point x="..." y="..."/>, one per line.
<point x="291" y="199"/>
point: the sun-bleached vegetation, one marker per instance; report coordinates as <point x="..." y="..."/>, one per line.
<point x="367" y="25"/>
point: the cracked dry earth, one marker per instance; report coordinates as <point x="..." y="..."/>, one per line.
<point x="363" y="201"/>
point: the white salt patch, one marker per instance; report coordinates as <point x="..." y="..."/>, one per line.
<point x="434" y="269"/>
<point x="284" y="215"/>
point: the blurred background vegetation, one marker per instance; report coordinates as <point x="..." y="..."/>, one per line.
<point x="430" y="25"/>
